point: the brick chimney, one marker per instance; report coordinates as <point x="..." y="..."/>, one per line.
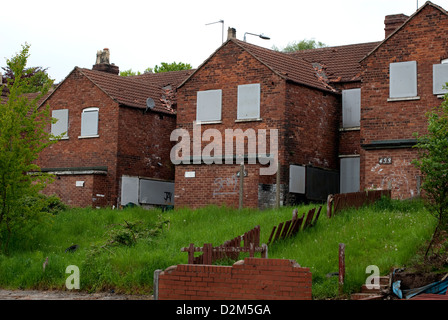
<point x="103" y="62"/>
<point x="393" y="22"/>
<point x="231" y="33"/>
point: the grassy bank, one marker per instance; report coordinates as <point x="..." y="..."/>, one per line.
<point x="121" y="249"/>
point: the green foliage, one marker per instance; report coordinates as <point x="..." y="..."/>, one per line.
<point x="174" y="66"/>
<point x="164" y="67"/>
<point x="301" y="45"/>
<point x="33" y="78"/>
<point x="387" y="234"/>
<point x="22" y="138"/>
<point x="433" y="164"/>
<point x="130" y="72"/>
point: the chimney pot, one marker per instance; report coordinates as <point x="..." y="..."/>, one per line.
<point x="231" y="33"/>
<point x="103" y="62"/>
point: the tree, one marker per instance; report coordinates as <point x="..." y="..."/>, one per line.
<point x="301" y="45"/>
<point x="22" y="137"/>
<point x="127" y="73"/>
<point x="165" y="67"/>
<point x="433" y="163"/>
<point x="33" y="77"/>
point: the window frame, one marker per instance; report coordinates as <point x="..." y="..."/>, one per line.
<point x="55" y="127"/>
<point x="243" y="102"/>
<point x="436" y="74"/>
<point x="402" y="74"/>
<point x="205" y="99"/>
<point x="85" y="134"/>
<point x="348" y="105"/>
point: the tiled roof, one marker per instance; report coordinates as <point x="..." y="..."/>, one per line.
<point x="135" y="90"/>
<point x="288" y="66"/>
<point x="317" y="68"/>
<point x="341" y="63"/>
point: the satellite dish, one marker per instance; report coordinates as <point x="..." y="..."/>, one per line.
<point x="150" y="104"/>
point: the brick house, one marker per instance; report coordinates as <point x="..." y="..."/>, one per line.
<point x="299" y="94"/>
<point x="115" y="149"/>
<point x="403" y="78"/>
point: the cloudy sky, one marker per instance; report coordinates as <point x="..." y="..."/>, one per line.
<point x="141" y="34"/>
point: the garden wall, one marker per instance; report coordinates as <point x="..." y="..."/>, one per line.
<point x="251" y="279"/>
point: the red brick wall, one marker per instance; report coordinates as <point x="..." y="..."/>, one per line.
<point x="77" y="93"/>
<point x="144" y="144"/>
<point x="312" y="122"/>
<point x="215" y="185"/>
<point x="400" y="176"/>
<point x="307" y="120"/>
<point x="349" y="142"/>
<point x="91" y="194"/>
<point x="130" y="142"/>
<point x="422" y="39"/>
<point x="255" y="279"/>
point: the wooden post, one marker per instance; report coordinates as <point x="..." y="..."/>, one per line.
<point x="264" y="252"/>
<point x="207" y="253"/>
<point x="329" y="205"/>
<point x="341" y="267"/>
<point x="278" y="186"/>
<point x="241" y="185"/>
<point x="156" y="283"/>
<point x="191" y="254"/>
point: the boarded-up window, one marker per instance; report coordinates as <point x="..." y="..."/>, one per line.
<point x="440" y="78"/>
<point x="351" y="108"/>
<point x="297" y="179"/>
<point x="61" y="126"/>
<point x="403" y="79"/>
<point x="349" y="175"/>
<point x="89" y="122"/>
<point x="209" y="105"/>
<point x="249" y="101"/>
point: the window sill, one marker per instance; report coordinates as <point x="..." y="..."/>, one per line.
<point x="198" y="122"/>
<point x="63" y="138"/>
<point x="440" y="96"/>
<point x="403" y="99"/>
<point x="88" y="137"/>
<point x="350" y="129"/>
<point x="249" y="120"/>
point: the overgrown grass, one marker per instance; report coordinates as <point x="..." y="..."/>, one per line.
<point x="387" y="234"/>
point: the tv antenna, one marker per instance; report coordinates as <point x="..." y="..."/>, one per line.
<point x="220" y="21"/>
